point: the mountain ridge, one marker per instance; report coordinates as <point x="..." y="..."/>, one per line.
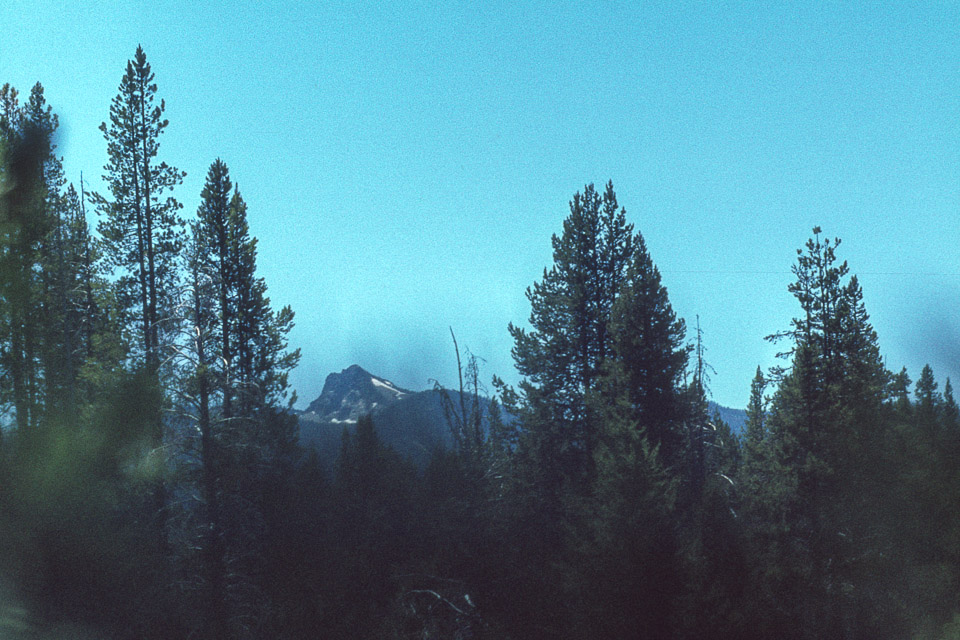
<point x="352" y="393"/>
<point x="411" y="422"/>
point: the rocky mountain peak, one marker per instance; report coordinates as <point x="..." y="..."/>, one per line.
<point x="352" y="393"/>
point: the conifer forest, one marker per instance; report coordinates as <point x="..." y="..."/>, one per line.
<point x="153" y="484"/>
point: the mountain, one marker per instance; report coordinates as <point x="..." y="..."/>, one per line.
<point x="352" y="393"/>
<point x="412" y="422"/>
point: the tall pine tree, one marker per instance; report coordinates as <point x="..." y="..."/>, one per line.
<point x="142" y="235"/>
<point x="651" y="355"/>
<point x="235" y="365"/>
<point x="34" y="178"/>
<point x="561" y="357"/>
<point x="820" y="478"/>
<point x="141" y="226"/>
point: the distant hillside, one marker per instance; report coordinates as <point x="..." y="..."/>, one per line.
<point x="736" y="418"/>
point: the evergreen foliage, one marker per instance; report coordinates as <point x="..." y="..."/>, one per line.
<point x="152" y="484"/>
<point x="141" y="229"/>
<point x="651" y="354"/>
<point x="106" y="441"/>
<point x="32" y="173"/>
<point x="561" y="356"/>
<point x="825" y="437"/>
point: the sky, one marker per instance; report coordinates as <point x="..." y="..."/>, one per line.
<point x="405" y="164"/>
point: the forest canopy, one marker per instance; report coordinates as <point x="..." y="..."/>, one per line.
<point x="152" y="484"/>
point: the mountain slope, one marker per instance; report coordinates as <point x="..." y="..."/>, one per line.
<point x="736" y="418"/>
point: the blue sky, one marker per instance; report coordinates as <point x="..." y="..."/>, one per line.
<point x="406" y="164"/>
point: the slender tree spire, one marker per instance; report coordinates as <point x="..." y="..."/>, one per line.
<point x="141" y="226"/>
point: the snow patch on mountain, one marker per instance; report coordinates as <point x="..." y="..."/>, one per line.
<point x="386" y="384"/>
<point x="352" y="393"/>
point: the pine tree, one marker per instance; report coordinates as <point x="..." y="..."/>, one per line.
<point x="562" y="356"/>
<point x="755" y="471"/>
<point x="929" y="403"/>
<point x="562" y="359"/>
<point x="617" y="248"/>
<point x="57" y="328"/>
<point x="251" y="349"/>
<point x="263" y="360"/>
<point x="141" y="229"/>
<point x="826" y="432"/>
<point x="81" y="344"/>
<point x="237" y="368"/>
<point x="214" y="217"/>
<point x="650" y="352"/>
<point x="26" y="130"/>
<point x="627" y="571"/>
<point x="198" y="376"/>
<point x="898" y="390"/>
<point x="603" y="411"/>
<point x="950" y="413"/>
<point x="142" y="234"/>
<point x="756" y="411"/>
